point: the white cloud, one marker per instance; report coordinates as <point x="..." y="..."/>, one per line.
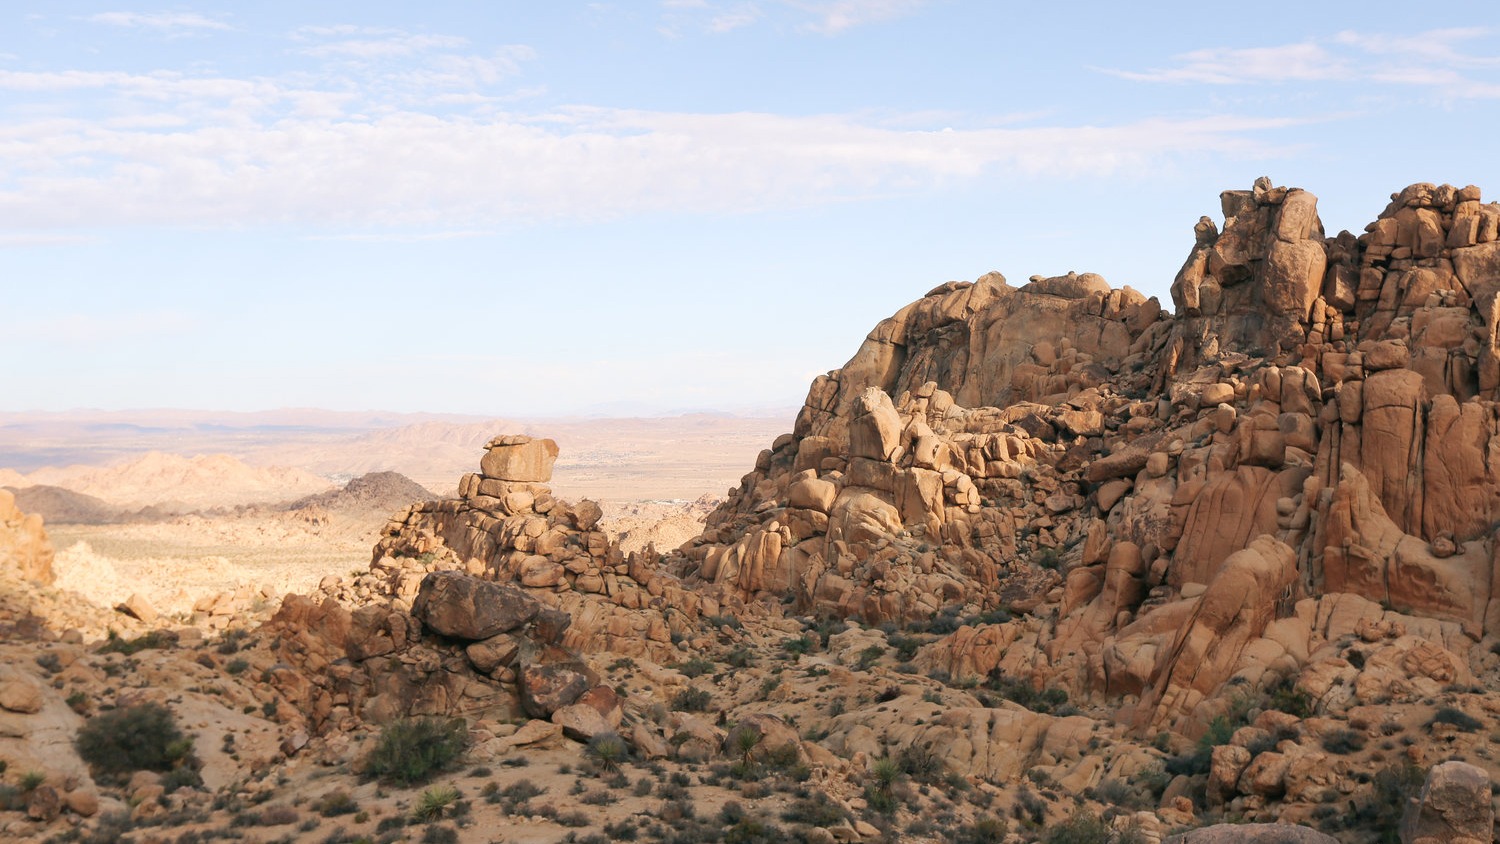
<point x="823" y="17"/>
<point x="408" y="168"/>
<point x="835" y="16"/>
<point x="161" y="21"/>
<point x="1431" y="59"/>
<point x="392" y="47"/>
<point x="1224" y="66"/>
<point x="741" y="15"/>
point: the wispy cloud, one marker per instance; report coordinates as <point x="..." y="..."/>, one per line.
<point x="734" y="17"/>
<point x="396" y="45"/>
<point x="159" y="21"/>
<point x="831" y="17"/>
<point x="1431" y="59"/>
<point x="822" y="17"/>
<point x="1226" y="66"/>
<point x="459" y="171"/>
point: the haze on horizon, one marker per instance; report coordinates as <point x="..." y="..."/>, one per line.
<point x="505" y="208"/>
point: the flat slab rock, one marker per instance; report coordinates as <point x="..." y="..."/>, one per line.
<point x="466" y="607"/>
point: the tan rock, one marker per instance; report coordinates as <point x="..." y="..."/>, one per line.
<point x="1455" y="804"/>
<point x="519" y="458"/>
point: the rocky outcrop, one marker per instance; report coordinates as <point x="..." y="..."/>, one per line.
<point x="1173" y="494"/>
<point x="25" y="551"/>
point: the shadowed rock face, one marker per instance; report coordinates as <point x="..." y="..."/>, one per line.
<point x="1171" y="502"/>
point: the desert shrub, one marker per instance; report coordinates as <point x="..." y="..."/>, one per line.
<point x="744" y="742"/>
<point x="1198" y="760"/>
<point x="78" y="702"/>
<point x="50" y="662"/>
<point x="749" y="830"/>
<point x="985" y="830"/>
<point x="440" y="834"/>
<point x="622" y="830"/>
<point x="1343" y="742"/>
<point x="1082" y="827"/>
<point x="740" y="657"/>
<point x="800" y="645"/>
<point x="691" y="700"/>
<point x="608" y="751"/>
<point x="1457" y="717"/>
<point x="411" y="751"/>
<point x="906" y="646"/>
<point x="155" y="640"/>
<point x="880" y="792"/>
<point x="1113" y="792"/>
<point x="12" y="799"/>
<point x="814" y="810"/>
<point x="920" y="762"/>
<point x="1047" y="558"/>
<point x="276" y="816"/>
<point x="888" y="694"/>
<point x="696" y="667"/>
<point x="236" y="666"/>
<point x="573" y="819"/>
<point x="1016" y="690"/>
<point x="1284" y="696"/>
<point x="1390" y="789"/>
<point x="869" y="656"/>
<point x="334" y="803"/>
<point x="143" y="737"/>
<point x="434" y="802"/>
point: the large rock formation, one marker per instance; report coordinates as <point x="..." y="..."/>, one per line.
<point x="25" y="551"/>
<point x="1271" y="512"/>
<point x="1315" y="423"/>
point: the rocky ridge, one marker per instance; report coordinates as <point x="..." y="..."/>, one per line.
<point x="1035" y="554"/>
<point x="1284" y="488"/>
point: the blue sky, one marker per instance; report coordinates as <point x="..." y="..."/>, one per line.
<point x="530" y="208"/>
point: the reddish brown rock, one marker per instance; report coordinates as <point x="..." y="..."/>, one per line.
<point x="467" y="607"/>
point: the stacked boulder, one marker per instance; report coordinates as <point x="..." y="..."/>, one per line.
<point x="506" y="526"/>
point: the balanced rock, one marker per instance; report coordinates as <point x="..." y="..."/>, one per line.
<point x="519" y="458"/>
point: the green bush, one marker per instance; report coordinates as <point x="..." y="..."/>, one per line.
<point x="434" y="802"/>
<point x="1082" y="827"/>
<point x="1045" y="701"/>
<point x="411" y="751"/>
<point x="696" y="667"/>
<point x="155" y="640"/>
<point x="1458" y="718"/>
<point x="608" y="751"/>
<point x="143" y="737"/>
<point x="1342" y="742"/>
<point x="691" y="700"/>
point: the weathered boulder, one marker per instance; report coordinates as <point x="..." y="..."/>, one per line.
<point x="556" y="680"/>
<point x="468" y="607"/>
<point x="1455" y="805"/>
<point x="519" y="458"/>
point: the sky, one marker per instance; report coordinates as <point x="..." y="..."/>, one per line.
<point x="528" y="209"/>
